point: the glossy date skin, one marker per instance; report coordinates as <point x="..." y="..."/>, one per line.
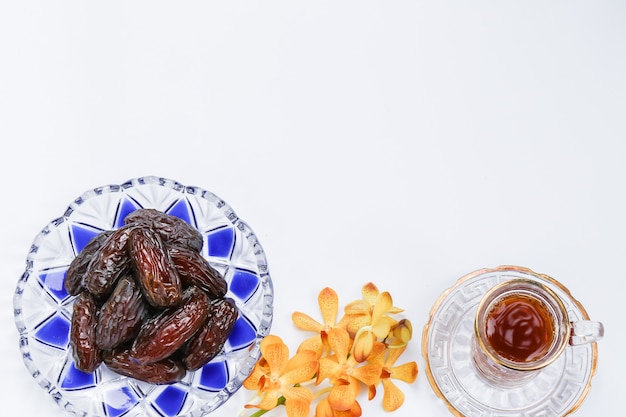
<point x="121" y="315"/>
<point x="148" y="304"/>
<point x="172" y="230"/>
<point x="154" y="269"/>
<point x="163" y="335"/>
<point x="108" y="264"/>
<point x="87" y="355"/>
<point x="210" y="339"/>
<point x="165" y="371"/>
<point x="194" y="269"/>
<point x="78" y="268"/>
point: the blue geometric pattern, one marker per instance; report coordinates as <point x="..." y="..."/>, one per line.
<point x="170" y="401"/>
<point x="126" y="207"/>
<point x="54" y="332"/>
<point x="52" y="281"/>
<point x="243" y="334"/>
<point x="82" y="235"/>
<point x="75" y="379"/>
<point x="181" y="210"/>
<point x="244" y="284"/>
<point x="213" y="376"/>
<point x="220" y="242"/>
<point x="42" y="306"/>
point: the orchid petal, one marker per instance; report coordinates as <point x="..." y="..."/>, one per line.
<point x="297" y="393"/>
<point x="297" y="408"/>
<point x="306" y="322"/>
<point x="354" y="322"/>
<point x="270" y="339"/>
<point x="340" y="343"/>
<point x="302" y="373"/>
<point x="382" y="327"/>
<point x="378" y="353"/>
<point x="370" y="293"/>
<point x="393" y="397"/>
<point x="314" y="344"/>
<point x="329" y="304"/>
<point x="269" y="401"/>
<point x="354" y="411"/>
<point x="342" y="397"/>
<point x="363" y="346"/>
<point x="328" y="368"/>
<point x="324" y="409"/>
<point x="383" y="304"/>
<point x="298" y="401"/>
<point x="395" y="310"/>
<point x="368" y="374"/>
<point x="276" y="355"/>
<point x="371" y="392"/>
<point x="406" y="372"/>
<point x="301" y="358"/>
<point x="403" y="331"/>
<point x="252" y="381"/>
<point x="357" y="307"/>
<point x="393" y="355"/>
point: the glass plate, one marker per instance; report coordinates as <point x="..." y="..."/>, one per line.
<point x="43" y="308"/>
<point x="557" y="390"/>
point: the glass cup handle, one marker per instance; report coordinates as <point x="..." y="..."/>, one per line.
<point x="586" y="331"/>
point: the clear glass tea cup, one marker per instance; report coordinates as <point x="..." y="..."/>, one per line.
<point x="521" y="326"/>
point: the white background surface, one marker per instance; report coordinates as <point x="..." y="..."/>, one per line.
<point x="402" y="142"/>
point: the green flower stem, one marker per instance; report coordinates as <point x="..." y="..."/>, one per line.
<point x="259" y="413"/>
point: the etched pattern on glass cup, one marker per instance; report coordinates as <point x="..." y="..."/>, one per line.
<point x="522" y="326"/>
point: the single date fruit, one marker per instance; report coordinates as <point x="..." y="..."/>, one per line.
<point x="121" y="315"/>
<point x="165" y="371"/>
<point x="78" y="268"/>
<point x="108" y="264"/>
<point x="86" y="353"/>
<point x="210" y="339"/>
<point x="154" y="269"/>
<point x="172" y="229"/>
<point x="194" y="269"/>
<point x="163" y="335"/>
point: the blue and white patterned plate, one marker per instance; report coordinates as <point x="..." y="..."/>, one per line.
<point x="43" y="308"/>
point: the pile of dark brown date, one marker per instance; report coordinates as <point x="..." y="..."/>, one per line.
<point x="148" y="303"/>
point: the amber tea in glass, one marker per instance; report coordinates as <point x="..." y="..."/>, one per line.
<point x="521" y="326"/>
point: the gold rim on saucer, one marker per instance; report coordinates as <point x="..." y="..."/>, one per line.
<point x="446" y="349"/>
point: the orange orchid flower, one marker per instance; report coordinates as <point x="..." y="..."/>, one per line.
<point x="328" y="302"/>
<point x="368" y="319"/>
<point x="393" y="397"/>
<point x="344" y="372"/>
<point x="331" y="367"/>
<point x="278" y="375"/>
<point x="324" y="409"/>
<point x="400" y="334"/>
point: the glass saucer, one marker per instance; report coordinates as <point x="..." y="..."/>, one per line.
<point x="43" y="308"/>
<point x="557" y="390"/>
